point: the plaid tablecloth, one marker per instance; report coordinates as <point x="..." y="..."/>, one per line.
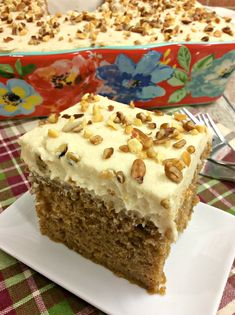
<point x="25" y="292"/>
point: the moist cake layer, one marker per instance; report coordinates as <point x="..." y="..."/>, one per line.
<point x="114" y="23"/>
<point x="140" y="161"/>
<point x="130" y="246"/>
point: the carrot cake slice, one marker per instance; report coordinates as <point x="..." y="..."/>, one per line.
<point x="116" y="183"/>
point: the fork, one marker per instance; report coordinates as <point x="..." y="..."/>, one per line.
<point x="222" y="153"/>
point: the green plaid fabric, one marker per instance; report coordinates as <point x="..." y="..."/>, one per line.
<point x="24" y="291"/>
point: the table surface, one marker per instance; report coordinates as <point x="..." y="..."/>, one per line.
<point x="25" y="292"/>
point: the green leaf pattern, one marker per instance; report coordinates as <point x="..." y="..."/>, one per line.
<point x="203" y="63"/>
<point x="178" y="95"/>
<point x="182" y="76"/>
<point x="7" y="71"/>
<point x="184" y="58"/>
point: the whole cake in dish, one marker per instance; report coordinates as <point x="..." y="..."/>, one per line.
<point x="27" y="26"/>
<point x="116" y="183"/>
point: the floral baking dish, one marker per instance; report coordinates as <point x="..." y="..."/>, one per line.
<point x="170" y="74"/>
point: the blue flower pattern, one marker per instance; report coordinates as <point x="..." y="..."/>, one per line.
<point x="18" y="97"/>
<point x="211" y="82"/>
<point x="126" y="80"/>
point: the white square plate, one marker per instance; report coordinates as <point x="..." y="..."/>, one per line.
<point x="197" y="268"/>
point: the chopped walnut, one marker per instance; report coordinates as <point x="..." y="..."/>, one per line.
<point x="134" y="145"/>
<point x="120" y="177"/>
<point x="179" y="144"/>
<point x="53" y="133"/>
<point x="61" y="150"/>
<point x="165" y="203"/>
<point x="107" y="174"/>
<point x="138" y="170"/>
<point x="72" y="157"/>
<point x="53" y="118"/>
<point x="124" y="148"/>
<point x="186" y="158"/>
<point x="97" y="139"/>
<point x="191" y="149"/>
<point x="173" y="173"/>
<point x="107" y="153"/>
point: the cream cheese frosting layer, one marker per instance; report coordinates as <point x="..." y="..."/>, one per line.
<point x="95" y="144"/>
<point x="114" y="23"/>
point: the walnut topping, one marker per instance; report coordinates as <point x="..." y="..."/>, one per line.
<point x="110" y="108"/>
<point x="72" y="157"/>
<point x="152" y="125"/>
<point x="188" y="38"/>
<point x="53" y="133"/>
<point x="145" y="140"/>
<point x="193" y="132"/>
<point x="97" y="139"/>
<point x="112" y="125"/>
<point x="179" y="144"/>
<point x="176" y="162"/>
<point x="128" y="129"/>
<point x="76" y="116"/>
<point x="165" y="126"/>
<point x="186" y="22"/>
<point x="186" y="158"/>
<point x="138" y="170"/>
<point x="107" y="174"/>
<point x="217" y="33"/>
<point x="151" y="153"/>
<point x="84" y="105"/>
<point x="132" y="104"/>
<point x="134" y="145"/>
<point x="205" y="39"/>
<point x="120" y="177"/>
<point x="161" y="141"/>
<point x="158" y="113"/>
<point x="81" y="35"/>
<point x="201" y="128"/>
<point x="227" y="30"/>
<point x="120" y="118"/>
<point x="87" y="134"/>
<point x="179" y="116"/>
<point x="208" y="28"/>
<point x="142" y="155"/>
<point x="8" y="39"/>
<point x="137" y="122"/>
<point x="61" y="150"/>
<point x="191" y="149"/>
<point x="167" y="133"/>
<point x="173" y="173"/>
<point x="227" y="19"/>
<point x="97" y="116"/>
<point x="107" y="153"/>
<point x="53" y="118"/>
<point x="71" y="125"/>
<point x="124" y="148"/>
<point x="137" y="42"/>
<point x="189" y="125"/>
<point x="165" y="203"/>
<point x="141" y="116"/>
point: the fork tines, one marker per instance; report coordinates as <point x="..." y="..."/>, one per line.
<point x="190" y="116"/>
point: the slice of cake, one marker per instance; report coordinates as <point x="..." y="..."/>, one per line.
<point x="116" y="183"/>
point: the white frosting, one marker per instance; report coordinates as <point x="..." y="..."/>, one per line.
<point x="144" y="198"/>
<point x="65" y="35"/>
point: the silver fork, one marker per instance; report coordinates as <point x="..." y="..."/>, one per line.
<point x="222" y="153"/>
